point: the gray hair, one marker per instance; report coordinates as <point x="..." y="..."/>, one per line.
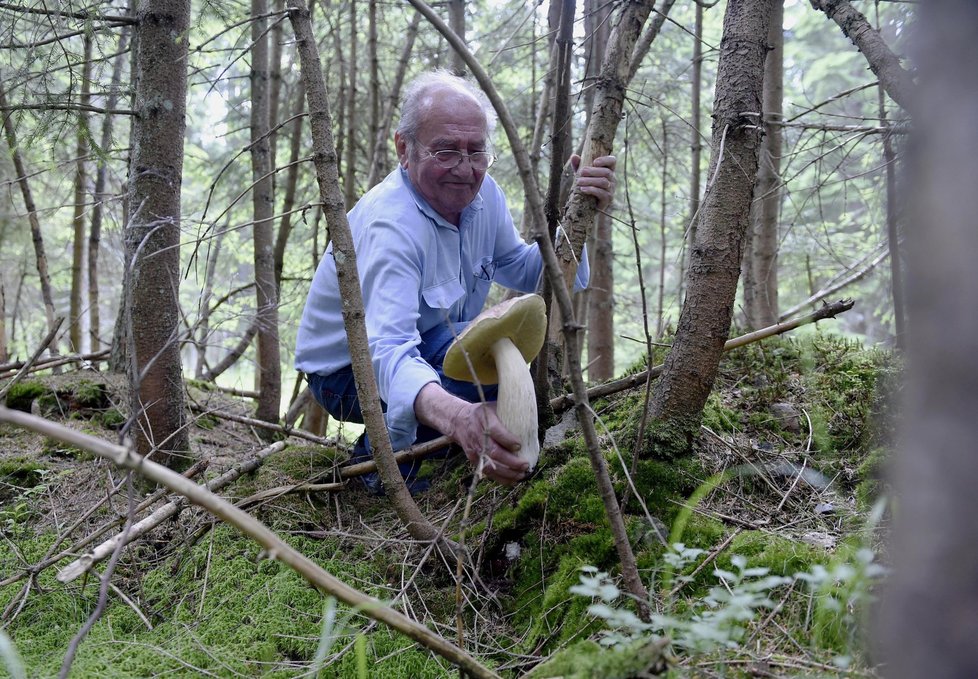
<point x="419" y="94"/>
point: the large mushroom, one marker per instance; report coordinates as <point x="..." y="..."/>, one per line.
<point x="495" y="348"/>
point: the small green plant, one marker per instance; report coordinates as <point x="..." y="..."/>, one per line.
<point x="722" y="618"/>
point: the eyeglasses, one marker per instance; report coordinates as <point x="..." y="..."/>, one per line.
<point x="446" y="159"/>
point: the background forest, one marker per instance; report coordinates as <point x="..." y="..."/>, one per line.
<point x="158" y="236"/>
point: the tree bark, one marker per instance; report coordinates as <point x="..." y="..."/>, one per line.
<point x="40" y="258"/>
<point x="456" y="19"/>
<point x="99" y="193"/>
<point x="350" y="159"/>
<point x="761" y="259"/>
<point x="704" y="323"/>
<point x="263" y="202"/>
<point x="897" y="82"/>
<point x="152" y="236"/>
<point x="696" y="150"/>
<point x="601" y="253"/>
<point x="78" y="217"/>
<point x="926" y="622"/>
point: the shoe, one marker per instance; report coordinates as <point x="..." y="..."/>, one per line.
<point x="371" y="480"/>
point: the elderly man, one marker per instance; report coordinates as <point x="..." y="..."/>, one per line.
<point x="429" y="239"/>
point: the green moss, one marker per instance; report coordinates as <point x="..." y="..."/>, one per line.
<point x="587" y="659"/>
<point x="869" y="478"/>
<point x="719" y="418"/>
<point x="664" y="485"/>
<point x="766" y="550"/>
<point x="22" y="394"/>
<point x="301" y="462"/>
<point x="113" y="418"/>
<point x="206" y="422"/>
<point x="88" y="394"/>
<point x="21" y="471"/>
<point x="56" y="448"/>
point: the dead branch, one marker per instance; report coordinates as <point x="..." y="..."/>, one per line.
<point x="85" y="563"/>
<point x="276" y="548"/>
<point x="252" y="422"/>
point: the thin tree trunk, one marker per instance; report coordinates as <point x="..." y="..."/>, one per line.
<point x="380" y="162"/>
<point x="98" y="210"/>
<point x="548" y="364"/>
<point x="263" y="201"/>
<point x="350" y="161"/>
<point x="203" y="325"/>
<point x="153" y="234"/>
<point x="327" y="176"/>
<point x="926" y="618"/>
<point x="456" y="19"/>
<point x="649" y="35"/>
<point x="704" y="323"/>
<point x="234" y="355"/>
<point x="659" y="316"/>
<point x="893" y="232"/>
<point x="373" y="71"/>
<point x="78" y="217"/>
<point x="291" y="185"/>
<point x="761" y="258"/>
<point x="4" y="354"/>
<point x="696" y="150"/>
<point x="40" y="257"/>
<point x="601" y="253"/>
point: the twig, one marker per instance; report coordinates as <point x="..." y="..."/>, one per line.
<point x="252" y="422"/>
<point x="275" y="547"/>
<point x="56" y="361"/>
<point x="708" y="560"/>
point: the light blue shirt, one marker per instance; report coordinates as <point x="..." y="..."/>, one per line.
<point x="417" y="270"/>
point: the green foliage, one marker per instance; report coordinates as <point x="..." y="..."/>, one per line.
<point x="587" y="659"/>
<point x="22" y="394"/>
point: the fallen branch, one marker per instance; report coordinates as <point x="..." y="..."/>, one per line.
<point x="275" y="547"/>
<point x="252" y="422"/>
<point x="85" y="563"/>
<point x="54" y="361"/>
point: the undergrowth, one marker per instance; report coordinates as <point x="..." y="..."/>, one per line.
<point x="769" y="556"/>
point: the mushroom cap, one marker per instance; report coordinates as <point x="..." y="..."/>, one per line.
<point x="522" y="319"/>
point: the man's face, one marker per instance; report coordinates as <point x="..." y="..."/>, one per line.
<point x="456" y="122"/>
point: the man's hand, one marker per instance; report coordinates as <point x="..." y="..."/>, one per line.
<point x="596" y="179"/>
<point x="476" y="428"/>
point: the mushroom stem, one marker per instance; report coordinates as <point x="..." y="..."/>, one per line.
<point x="516" y="403"/>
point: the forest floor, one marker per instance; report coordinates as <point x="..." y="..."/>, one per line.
<point x="775" y="522"/>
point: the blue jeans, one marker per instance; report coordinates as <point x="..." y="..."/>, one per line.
<point x="337" y="393"/>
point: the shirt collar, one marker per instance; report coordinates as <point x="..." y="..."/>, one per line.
<point x="468" y="214"/>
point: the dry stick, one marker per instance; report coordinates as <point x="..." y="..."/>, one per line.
<point x="252" y="422"/>
<point x="57" y="361"/>
<point x="85" y="563"/>
<point x="555" y="275"/>
<point x="708" y="560"/>
<point x="37" y="353"/>
<point x="279" y="491"/>
<point x="327" y="178"/>
<point x="275" y="547"/>
<point x="51" y="558"/>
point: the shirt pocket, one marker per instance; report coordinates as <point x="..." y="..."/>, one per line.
<point x="443" y="295"/>
<point x="482" y="274"/>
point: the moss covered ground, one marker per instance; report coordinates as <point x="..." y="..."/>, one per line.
<point x="784" y="475"/>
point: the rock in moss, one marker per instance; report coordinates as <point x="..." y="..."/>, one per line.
<point x="22" y="394"/>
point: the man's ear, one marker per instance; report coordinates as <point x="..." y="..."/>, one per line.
<point x="400" y="144"/>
